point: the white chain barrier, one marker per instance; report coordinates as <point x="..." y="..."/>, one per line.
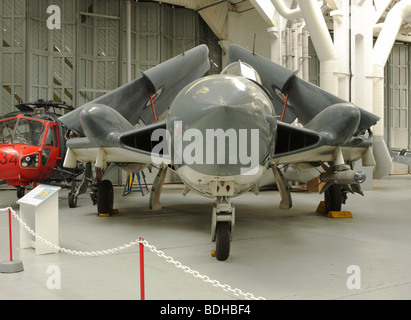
<point x="161" y="254"/>
<point x="196" y="274"/>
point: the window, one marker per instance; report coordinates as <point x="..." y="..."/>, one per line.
<point x="22" y="131"/>
<point x="6" y="130"/>
<point x="51" y="139"/>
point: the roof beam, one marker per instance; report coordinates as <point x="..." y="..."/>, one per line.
<point x="266" y="10"/>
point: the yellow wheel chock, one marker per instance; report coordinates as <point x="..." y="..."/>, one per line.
<point x="333" y="214"/>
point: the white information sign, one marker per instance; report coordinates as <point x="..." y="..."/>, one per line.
<point x="39" y="210"/>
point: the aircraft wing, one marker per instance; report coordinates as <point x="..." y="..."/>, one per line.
<point x="159" y="84"/>
<point x="305" y="100"/>
<point x="274" y="78"/>
<point x="101" y="122"/>
<point x="111" y="138"/>
<point x="333" y="130"/>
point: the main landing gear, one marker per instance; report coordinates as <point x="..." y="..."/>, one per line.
<point x="333" y="198"/>
<point x="80" y="188"/>
<point x="222" y="226"/>
<point x="105" y="198"/>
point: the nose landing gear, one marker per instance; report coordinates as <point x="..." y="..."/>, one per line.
<point x="222" y="226"/>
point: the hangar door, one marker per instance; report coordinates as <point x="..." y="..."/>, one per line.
<point x="397" y="111"/>
<point x="12" y="53"/>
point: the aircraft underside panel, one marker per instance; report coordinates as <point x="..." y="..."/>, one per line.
<point x="102" y="156"/>
<point x="323" y="154"/>
<point x="212" y="186"/>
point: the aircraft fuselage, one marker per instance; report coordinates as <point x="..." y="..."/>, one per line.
<point x="223" y="132"/>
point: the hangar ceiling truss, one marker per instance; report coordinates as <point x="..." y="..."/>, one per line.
<point x="214" y="12"/>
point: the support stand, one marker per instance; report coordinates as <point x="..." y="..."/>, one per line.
<point x="11" y="266"/>
<point x="141" y="187"/>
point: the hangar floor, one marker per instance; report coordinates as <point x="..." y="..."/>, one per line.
<point x="298" y="254"/>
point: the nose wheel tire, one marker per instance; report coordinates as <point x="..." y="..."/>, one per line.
<point x="20" y="192"/>
<point x="223" y="238"/>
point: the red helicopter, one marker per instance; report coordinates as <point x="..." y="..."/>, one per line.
<point x="32" y="149"/>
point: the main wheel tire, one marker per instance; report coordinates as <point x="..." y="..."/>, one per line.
<point x="333" y="197"/>
<point x="20" y="192"/>
<point x="223" y="238"/>
<point x="105" y="197"/>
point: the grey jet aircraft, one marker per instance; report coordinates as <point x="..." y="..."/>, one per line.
<point x="223" y="133"/>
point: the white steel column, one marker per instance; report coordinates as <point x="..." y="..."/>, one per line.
<point x="342" y="45"/>
<point x="128" y="31"/>
<point x="323" y="44"/>
<point x="276" y="44"/>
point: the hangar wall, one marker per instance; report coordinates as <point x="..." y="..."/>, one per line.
<point x="12" y="53"/>
<point x="353" y="77"/>
<point x="397" y="102"/>
<point x="241" y="28"/>
<point x="87" y="56"/>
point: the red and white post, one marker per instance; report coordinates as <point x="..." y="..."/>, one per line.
<point x="11" y="266"/>
<point x="141" y="246"/>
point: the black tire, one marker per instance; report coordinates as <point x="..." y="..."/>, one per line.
<point x="72" y="200"/>
<point x="105" y="197"/>
<point x="20" y="192"/>
<point x="223" y="238"/>
<point x="333" y="197"/>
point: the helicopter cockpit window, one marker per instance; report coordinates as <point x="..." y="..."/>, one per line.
<point x="22" y="131"/>
<point x="29" y="132"/>
<point x="51" y="138"/>
<point x="6" y="130"/>
<point x="242" y="69"/>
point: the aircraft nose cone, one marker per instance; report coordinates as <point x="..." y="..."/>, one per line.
<point x="222" y="125"/>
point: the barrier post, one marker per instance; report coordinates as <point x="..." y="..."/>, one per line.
<point x="11" y="266"/>
<point x="10" y="237"/>
<point x="141" y="246"/>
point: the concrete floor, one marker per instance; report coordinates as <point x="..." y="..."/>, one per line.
<point x="284" y="255"/>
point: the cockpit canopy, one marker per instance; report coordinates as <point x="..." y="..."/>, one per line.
<point x="242" y="69"/>
<point x="21" y="131"/>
